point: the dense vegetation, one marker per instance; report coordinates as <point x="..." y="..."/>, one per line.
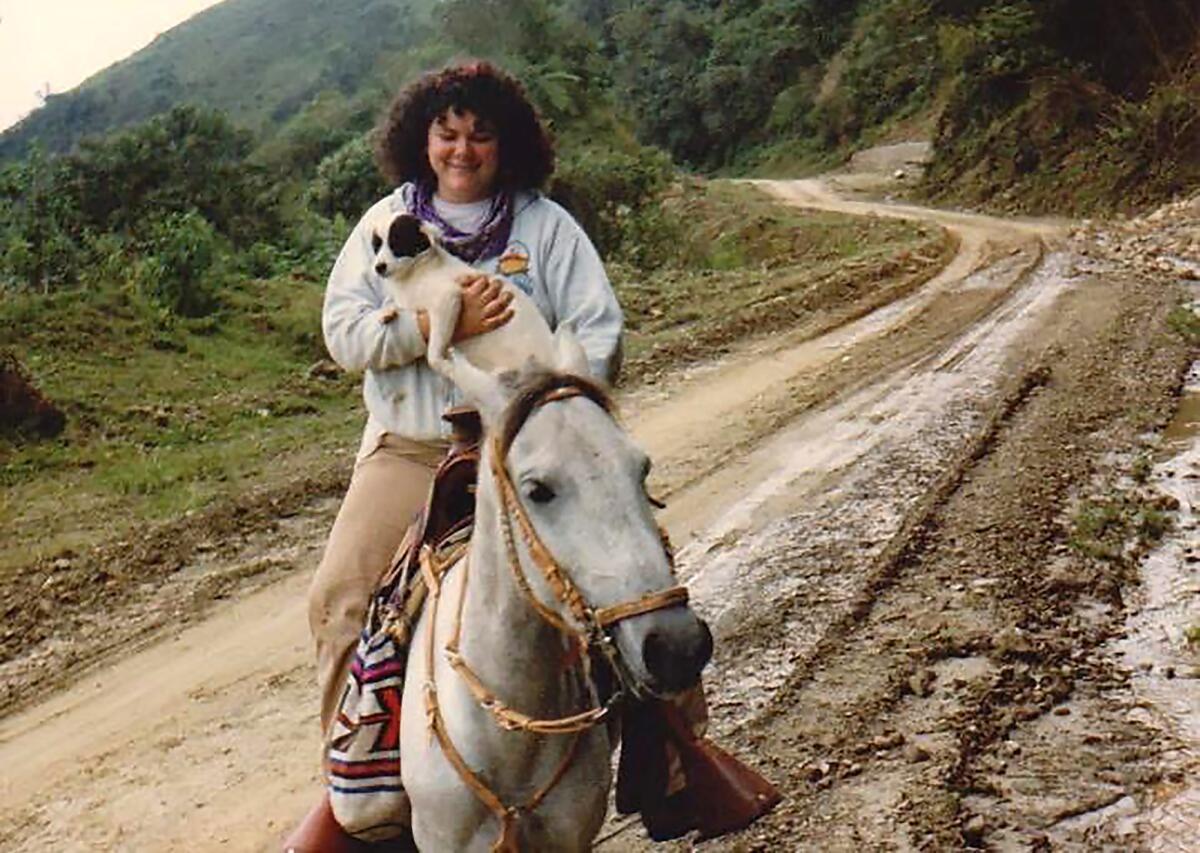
<point x="1059" y="105"/>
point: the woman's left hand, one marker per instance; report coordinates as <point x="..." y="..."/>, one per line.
<point x="485" y="306"/>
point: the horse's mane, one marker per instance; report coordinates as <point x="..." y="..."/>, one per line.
<point x="532" y="388"/>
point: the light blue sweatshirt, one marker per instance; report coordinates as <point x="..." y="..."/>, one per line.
<point x="548" y="256"/>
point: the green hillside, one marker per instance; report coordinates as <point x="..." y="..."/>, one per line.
<point x="259" y="61"/>
<point x="1059" y="105"/>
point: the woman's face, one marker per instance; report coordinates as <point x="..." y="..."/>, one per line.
<point x="464" y="154"/>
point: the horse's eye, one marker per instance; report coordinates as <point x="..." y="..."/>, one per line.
<point x="376" y="242"/>
<point x="539" y="492"/>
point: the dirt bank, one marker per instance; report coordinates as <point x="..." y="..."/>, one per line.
<point x="877" y="519"/>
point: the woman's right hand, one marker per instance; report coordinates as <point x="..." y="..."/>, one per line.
<point x="485" y="306"/>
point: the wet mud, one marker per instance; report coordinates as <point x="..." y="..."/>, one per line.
<point x="908" y="640"/>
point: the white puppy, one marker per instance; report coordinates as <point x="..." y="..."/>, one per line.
<point x="421" y="275"/>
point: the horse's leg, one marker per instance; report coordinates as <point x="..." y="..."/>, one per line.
<point x="572" y="814"/>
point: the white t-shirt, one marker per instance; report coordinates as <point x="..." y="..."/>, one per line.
<point x="467" y="218"/>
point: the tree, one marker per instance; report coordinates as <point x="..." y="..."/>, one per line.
<point x="186" y="159"/>
<point x="35" y="250"/>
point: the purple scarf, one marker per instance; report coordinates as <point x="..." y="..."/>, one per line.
<point x="488" y="242"/>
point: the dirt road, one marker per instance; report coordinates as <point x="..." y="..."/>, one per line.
<point x="875" y="520"/>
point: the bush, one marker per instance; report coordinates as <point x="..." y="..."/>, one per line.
<point x="347" y="181"/>
<point x="616" y="197"/>
<point x="1154" y="144"/>
<point x="36" y="250"/>
<point x="108" y="259"/>
<point x="185" y="159"/>
<point x="179" y="266"/>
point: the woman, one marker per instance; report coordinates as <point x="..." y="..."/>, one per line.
<point x="468" y="153"/>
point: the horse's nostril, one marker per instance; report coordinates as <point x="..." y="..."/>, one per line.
<point x="655" y="655"/>
<point x="381" y="268"/>
<point x="675" y="659"/>
<point x="706" y="645"/>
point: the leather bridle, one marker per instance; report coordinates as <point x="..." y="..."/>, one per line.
<point x="590" y="631"/>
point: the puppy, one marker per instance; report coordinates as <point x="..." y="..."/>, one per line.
<point x="420" y="274"/>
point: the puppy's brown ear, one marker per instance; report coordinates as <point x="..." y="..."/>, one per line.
<point x="405" y="238"/>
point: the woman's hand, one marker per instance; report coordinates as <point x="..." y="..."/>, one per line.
<point x="485" y="306"/>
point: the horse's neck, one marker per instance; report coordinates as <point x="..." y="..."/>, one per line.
<point x="511" y="647"/>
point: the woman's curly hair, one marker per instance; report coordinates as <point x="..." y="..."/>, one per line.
<point x="402" y="138"/>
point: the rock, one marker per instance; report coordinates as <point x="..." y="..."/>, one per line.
<point x="1012" y="641"/>
<point x="974" y="831"/>
<point x="921" y="682"/>
<point x="915" y="753"/>
<point x="25" y="410"/>
<point x="1026" y="712"/>
<point x="884" y="742"/>
<point x="323" y="369"/>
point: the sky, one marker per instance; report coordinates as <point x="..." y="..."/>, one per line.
<point x="61" y="43"/>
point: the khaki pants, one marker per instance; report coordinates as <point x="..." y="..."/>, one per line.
<point x="387" y="489"/>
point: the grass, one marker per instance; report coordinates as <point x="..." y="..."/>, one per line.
<point x="1186" y="323"/>
<point x="169" y="416"/>
<point x="754" y="267"/>
<point x="1141" y="469"/>
<point x="1102" y="529"/>
<point x="164" y="416"/>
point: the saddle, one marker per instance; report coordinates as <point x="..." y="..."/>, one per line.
<point x="719" y="794"/>
<point x="444" y="526"/>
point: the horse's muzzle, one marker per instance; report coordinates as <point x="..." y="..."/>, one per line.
<point x="676" y="653"/>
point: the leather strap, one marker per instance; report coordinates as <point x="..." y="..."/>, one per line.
<point x="509" y="816"/>
<point x="606" y="616"/>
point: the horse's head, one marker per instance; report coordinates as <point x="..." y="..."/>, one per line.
<point x="572" y="486"/>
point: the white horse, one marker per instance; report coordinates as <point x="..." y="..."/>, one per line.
<point x="564" y="548"/>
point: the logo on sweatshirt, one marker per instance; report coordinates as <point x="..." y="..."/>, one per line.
<point x="514" y="265"/>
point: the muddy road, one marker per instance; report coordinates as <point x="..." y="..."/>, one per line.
<point x="880" y="523"/>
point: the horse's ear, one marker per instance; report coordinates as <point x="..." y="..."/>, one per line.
<point x="569" y="356"/>
<point x="484" y="391"/>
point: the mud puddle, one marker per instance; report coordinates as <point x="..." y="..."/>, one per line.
<point x="1163" y="662"/>
<point x="921" y="413"/>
